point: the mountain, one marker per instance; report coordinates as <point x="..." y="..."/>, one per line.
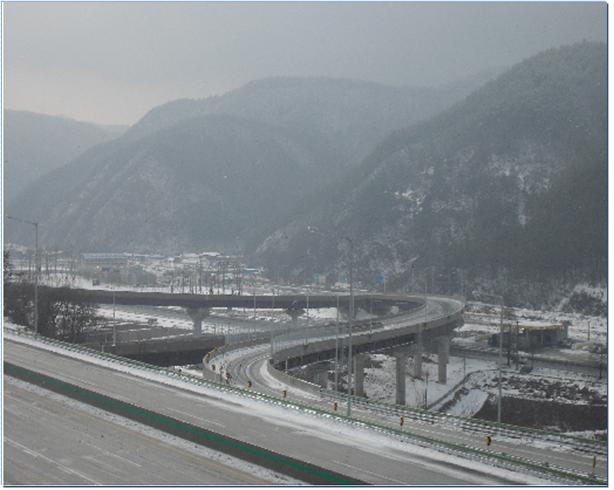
<point x="511" y="182"/>
<point x="201" y="183"/>
<point x="339" y="119"/>
<point x="35" y="144"/>
<point x="216" y="172"/>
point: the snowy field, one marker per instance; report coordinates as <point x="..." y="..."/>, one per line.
<point x="222" y="321"/>
<point x="472" y="381"/>
<point x="380" y="381"/>
<point x="483" y="318"/>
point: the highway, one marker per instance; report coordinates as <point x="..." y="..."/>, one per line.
<point x="52" y="440"/>
<point x="361" y="453"/>
<point x="253" y="366"/>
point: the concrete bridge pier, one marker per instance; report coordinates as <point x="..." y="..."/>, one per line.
<point x="418" y="360"/>
<point x="444" y="357"/>
<point x="294" y="313"/>
<point x="401" y="359"/>
<point x="359" y="374"/>
<point x="322" y="379"/>
<point x="344" y="311"/>
<point x="197" y="315"/>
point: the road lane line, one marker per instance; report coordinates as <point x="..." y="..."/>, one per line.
<point x="194" y="417"/>
<point x="369" y="472"/>
<point x="59" y="465"/>
<point x="106" y="467"/>
<point x="108" y="453"/>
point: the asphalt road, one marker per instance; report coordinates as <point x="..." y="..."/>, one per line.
<point x="362" y="454"/>
<point x="252" y="367"/>
<point x="50" y="441"/>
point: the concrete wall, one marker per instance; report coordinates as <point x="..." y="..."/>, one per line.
<point x="291" y="381"/>
<point x="365" y="341"/>
<point x="168" y="352"/>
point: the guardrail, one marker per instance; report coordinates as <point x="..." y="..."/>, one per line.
<point x="293" y="381"/>
<point x="498" y="459"/>
<point x="287" y="465"/>
<point x="485" y="427"/>
<point x="388" y="329"/>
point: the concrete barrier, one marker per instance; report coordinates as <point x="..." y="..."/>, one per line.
<point x="284" y="378"/>
<point x="435" y="327"/>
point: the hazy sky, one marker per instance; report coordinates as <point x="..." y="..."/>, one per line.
<point x="112" y="62"/>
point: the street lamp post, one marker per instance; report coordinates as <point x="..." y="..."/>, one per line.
<point x="313" y="229"/>
<point x="500" y="389"/>
<point x="350" y="322"/>
<point x="500" y="361"/>
<point x="337" y="348"/>
<point x="36" y="266"/>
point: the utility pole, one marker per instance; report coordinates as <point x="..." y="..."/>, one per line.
<point x="349" y="408"/>
<point x="337" y="348"/>
<point x="589" y="331"/>
<point x="500" y="397"/>
<point x="200" y="274"/>
<point x="602" y="352"/>
<point x="517" y="347"/>
<point x="500" y="363"/>
<point x="426" y="391"/>
<point x="509" y="343"/>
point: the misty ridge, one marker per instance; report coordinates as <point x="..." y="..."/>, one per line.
<point x="497" y="178"/>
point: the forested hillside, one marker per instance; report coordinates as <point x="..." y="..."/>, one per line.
<point x="197" y="174"/>
<point x="35" y="144"/>
<point x="509" y="183"/>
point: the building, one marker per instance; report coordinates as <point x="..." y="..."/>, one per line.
<point x="528" y="337"/>
<point x="105" y="259"/>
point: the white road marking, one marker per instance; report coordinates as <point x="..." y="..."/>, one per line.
<point x="192" y="416"/>
<point x="369" y="472"/>
<point x="36" y="454"/>
<point x="108" y="453"/>
<point x="99" y="462"/>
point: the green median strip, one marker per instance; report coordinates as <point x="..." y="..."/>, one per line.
<point x="459" y="449"/>
<point x="280" y="463"/>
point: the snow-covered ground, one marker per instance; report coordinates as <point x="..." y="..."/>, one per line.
<point x="483" y="318"/>
<point x="380" y="382"/>
<point x="221" y="321"/>
<point x="480" y="382"/>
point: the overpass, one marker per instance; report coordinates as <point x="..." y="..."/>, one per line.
<point x="198" y="306"/>
<point x="405" y="334"/>
<point x="414" y="318"/>
<point x="288" y="302"/>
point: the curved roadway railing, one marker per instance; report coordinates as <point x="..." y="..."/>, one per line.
<point x="448" y="312"/>
<point x="303" y="301"/>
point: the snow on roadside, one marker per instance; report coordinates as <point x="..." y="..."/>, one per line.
<point x="317" y="426"/>
<point x="470" y="404"/>
<point x="201" y="451"/>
